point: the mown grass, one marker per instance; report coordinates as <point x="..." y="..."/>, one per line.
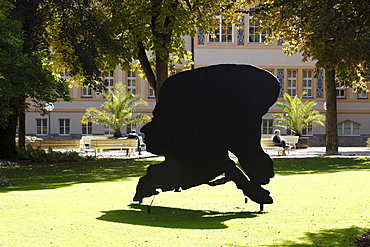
<point x="318" y="202"/>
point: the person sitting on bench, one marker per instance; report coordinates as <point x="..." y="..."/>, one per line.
<point x="133" y="135"/>
<point x="279" y="142"/>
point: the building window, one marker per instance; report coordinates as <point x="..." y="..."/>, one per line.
<point x="151" y="92"/>
<point x="109" y="80"/>
<point x="129" y="128"/>
<point x="223" y="34"/>
<point x="131" y="82"/>
<point x="64" y="75"/>
<point x="87" y="129"/>
<point x="41" y="126"/>
<point x="348" y="128"/>
<point x="108" y="130"/>
<point x="307" y="131"/>
<point x="362" y="95"/>
<point x="307" y="82"/>
<point x="292" y="82"/>
<point x="267" y="126"/>
<point x="86" y="92"/>
<point x="341" y="92"/>
<point x="255" y="35"/>
<point x="64" y="126"/>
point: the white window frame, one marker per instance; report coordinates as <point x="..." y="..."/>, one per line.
<point x="109" y="80"/>
<point x="86" y="129"/>
<point x="307" y="82"/>
<point x="348" y="125"/>
<point x="86" y="92"/>
<point x="341" y="92"/>
<point x="130" y="127"/>
<point x="307" y="131"/>
<point x="266" y="127"/>
<point x="224" y="30"/>
<point x="362" y="95"/>
<point x="292" y="82"/>
<point x="108" y="130"/>
<point x="64" y="75"/>
<point x="151" y="93"/>
<point x="41" y="126"/>
<point x="255" y="36"/>
<point x="64" y="126"/>
<point x="131" y="82"/>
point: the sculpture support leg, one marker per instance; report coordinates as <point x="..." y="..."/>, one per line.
<point x="250" y="188"/>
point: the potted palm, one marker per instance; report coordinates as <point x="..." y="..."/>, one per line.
<point x="118" y="111"/>
<point x="297" y="116"/>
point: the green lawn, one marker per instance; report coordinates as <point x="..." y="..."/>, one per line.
<point x="318" y="202"/>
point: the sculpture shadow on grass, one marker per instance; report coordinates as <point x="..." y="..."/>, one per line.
<point x="168" y="217"/>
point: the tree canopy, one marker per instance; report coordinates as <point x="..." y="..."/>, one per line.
<point x="23" y="72"/>
<point x="145" y="35"/>
<point x="335" y="33"/>
<point x="23" y="75"/>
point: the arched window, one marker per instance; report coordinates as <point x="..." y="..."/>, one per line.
<point x="348" y="128"/>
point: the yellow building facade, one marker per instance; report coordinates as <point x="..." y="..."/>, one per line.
<point x="228" y="45"/>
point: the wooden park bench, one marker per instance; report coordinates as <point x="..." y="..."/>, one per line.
<point x="86" y="140"/>
<point x="269" y="144"/>
<point x="57" y="144"/>
<point x="291" y="140"/>
<point x="123" y="144"/>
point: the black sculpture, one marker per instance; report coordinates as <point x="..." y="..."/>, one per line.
<point x="192" y="126"/>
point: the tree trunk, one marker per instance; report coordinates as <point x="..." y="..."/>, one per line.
<point x="162" y="71"/>
<point x="331" y="113"/>
<point x="117" y="133"/>
<point x="145" y="64"/>
<point x="7" y="140"/>
<point x="22" y="128"/>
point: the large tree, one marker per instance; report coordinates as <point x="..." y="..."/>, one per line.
<point x="336" y="33"/>
<point x="22" y="72"/>
<point x="145" y="35"/>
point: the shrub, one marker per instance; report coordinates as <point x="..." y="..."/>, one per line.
<point x="40" y="156"/>
<point x="364" y="240"/>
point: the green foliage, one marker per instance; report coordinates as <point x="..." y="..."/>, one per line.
<point x="147" y="35"/>
<point x="336" y="33"/>
<point x="297" y="115"/>
<point x="82" y="44"/>
<point x="10" y="44"/>
<point x="118" y="111"/>
<point x="23" y="74"/>
<point x="40" y="156"/>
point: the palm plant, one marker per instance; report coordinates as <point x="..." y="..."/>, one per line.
<point x="118" y="111"/>
<point x="297" y="115"/>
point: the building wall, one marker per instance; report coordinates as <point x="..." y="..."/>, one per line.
<point x="238" y="50"/>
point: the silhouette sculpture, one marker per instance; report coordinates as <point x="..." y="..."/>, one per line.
<point x="191" y="127"/>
